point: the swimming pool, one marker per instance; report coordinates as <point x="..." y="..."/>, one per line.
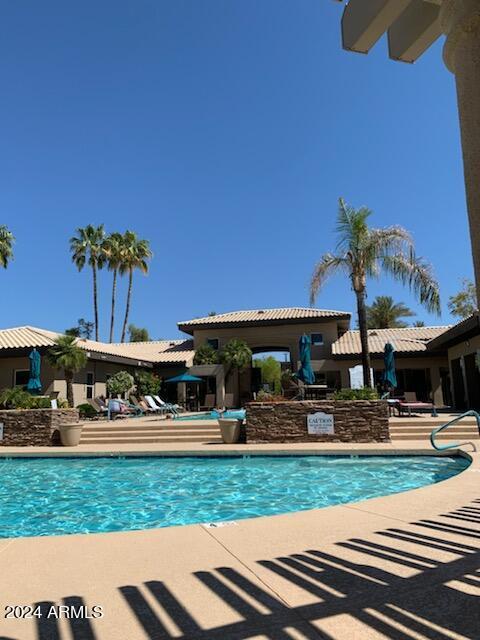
<point x="52" y="496"/>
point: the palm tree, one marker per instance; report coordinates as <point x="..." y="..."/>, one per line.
<point x="384" y="313"/>
<point x="236" y="355"/>
<point x="135" y="255"/>
<point x="66" y="355"/>
<point x="113" y="249"/>
<point x="88" y="246"/>
<point x="363" y="252"/>
<point x="6" y="246"/>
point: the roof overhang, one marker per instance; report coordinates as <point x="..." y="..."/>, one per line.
<point x="190" y="328"/>
<point x="412" y="26"/>
<point x="461" y="332"/>
<point x="104" y="357"/>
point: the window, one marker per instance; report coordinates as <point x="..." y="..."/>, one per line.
<point x="90" y="385"/>
<point x="317" y="339"/>
<point x="21" y="377"/>
<point x="213" y="342"/>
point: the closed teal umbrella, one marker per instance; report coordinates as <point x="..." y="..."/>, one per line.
<point x="389" y="377"/>
<point x="34" y="384"/>
<point x="305" y="373"/>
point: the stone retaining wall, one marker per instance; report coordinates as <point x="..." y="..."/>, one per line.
<point x="354" y="421"/>
<point x="34" y="427"/>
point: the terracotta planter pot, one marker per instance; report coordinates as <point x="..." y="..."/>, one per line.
<point x="230" y="430"/>
<point x="70" y="434"/>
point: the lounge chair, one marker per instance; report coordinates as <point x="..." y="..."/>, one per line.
<point x="411" y="404"/>
<point x="141" y="405"/>
<point x="209" y="402"/>
<point x="101" y="409"/>
<point x="152" y="404"/>
<point x="167" y="406"/>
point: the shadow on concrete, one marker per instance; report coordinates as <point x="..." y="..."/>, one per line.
<point x="416" y="581"/>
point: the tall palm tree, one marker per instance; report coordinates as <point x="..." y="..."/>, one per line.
<point x="88" y="247"/>
<point x="363" y="252"/>
<point x="66" y="355"/>
<point x="236" y="355"/>
<point x="384" y="313"/>
<point x="135" y="255"/>
<point x="113" y="248"/>
<point x="6" y="246"/>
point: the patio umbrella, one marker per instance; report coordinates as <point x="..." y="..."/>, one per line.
<point x="389" y="378"/>
<point x="305" y="373"/>
<point x="184" y="377"/>
<point x="34" y="384"/>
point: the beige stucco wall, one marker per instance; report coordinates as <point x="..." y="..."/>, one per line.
<point x="54" y="380"/>
<point x="285" y="336"/>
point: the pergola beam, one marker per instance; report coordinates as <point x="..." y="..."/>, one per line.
<point x="365" y="21"/>
<point x="414" y="31"/>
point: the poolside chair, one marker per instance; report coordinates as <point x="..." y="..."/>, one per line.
<point x="209" y="402"/>
<point x="167" y="406"/>
<point x="141" y="405"/>
<point x="152" y="404"/>
<point x="411" y="404"/>
<point x="102" y="410"/>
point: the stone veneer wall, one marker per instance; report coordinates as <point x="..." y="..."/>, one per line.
<point x="354" y="421"/>
<point x="34" y="427"/>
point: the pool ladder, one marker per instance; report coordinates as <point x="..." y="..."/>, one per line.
<point x="444" y="447"/>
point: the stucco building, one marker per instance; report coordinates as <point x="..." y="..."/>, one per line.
<point x="432" y="361"/>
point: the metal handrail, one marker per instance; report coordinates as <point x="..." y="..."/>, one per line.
<point x="447" y="424"/>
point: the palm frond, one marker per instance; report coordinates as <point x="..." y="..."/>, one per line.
<point x="326" y="267"/>
<point x="417" y="274"/>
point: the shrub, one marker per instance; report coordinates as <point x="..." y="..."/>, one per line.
<point x="366" y="393"/>
<point x="87" y="411"/>
<point x="120" y="383"/>
<point x="147" y="383"/>
<point x="15" y="398"/>
<point x="206" y="354"/>
<point x="18" y="398"/>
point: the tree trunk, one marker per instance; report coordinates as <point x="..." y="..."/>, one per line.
<point x="127" y="309"/>
<point x="95" y="300"/>
<point x="114" y="290"/>
<point x="69" y="381"/>
<point x="362" y="324"/>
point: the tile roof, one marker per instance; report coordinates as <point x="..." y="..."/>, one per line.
<point x="260" y="316"/>
<point x="408" y="340"/>
<point x="162" y="351"/>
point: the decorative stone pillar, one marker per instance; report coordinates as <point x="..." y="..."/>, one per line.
<point x="460" y="21"/>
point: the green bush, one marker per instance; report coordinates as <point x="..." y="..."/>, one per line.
<point x="147" y="383"/>
<point x="366" y="393"/>
<point x="206" y="354"/>
<point x="18" y="398"/>
<point x="120" y="383"/>
<point x="87" y="411"/>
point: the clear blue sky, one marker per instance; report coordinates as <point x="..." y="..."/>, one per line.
<point x="224" y="131"/>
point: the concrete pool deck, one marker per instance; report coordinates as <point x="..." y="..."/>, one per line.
<point x="405" y="566"/>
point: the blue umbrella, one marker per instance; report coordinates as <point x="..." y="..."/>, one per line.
<point x="34" y="384"/>
<point x="184" y="377"/>
<point x="389" y="378"/>
<point x="305" y="373"/>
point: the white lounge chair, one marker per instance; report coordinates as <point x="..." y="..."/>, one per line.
<point x="153" y="405"/>
<point x="167" y="406"/>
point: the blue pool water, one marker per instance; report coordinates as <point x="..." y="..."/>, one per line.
<point x="50" y="496"/>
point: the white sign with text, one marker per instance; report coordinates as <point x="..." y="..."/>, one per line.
<point x="320" y="424"/>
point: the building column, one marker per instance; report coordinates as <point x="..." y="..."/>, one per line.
<point x="460" y="20"/>
<point x="436" y="382"/>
